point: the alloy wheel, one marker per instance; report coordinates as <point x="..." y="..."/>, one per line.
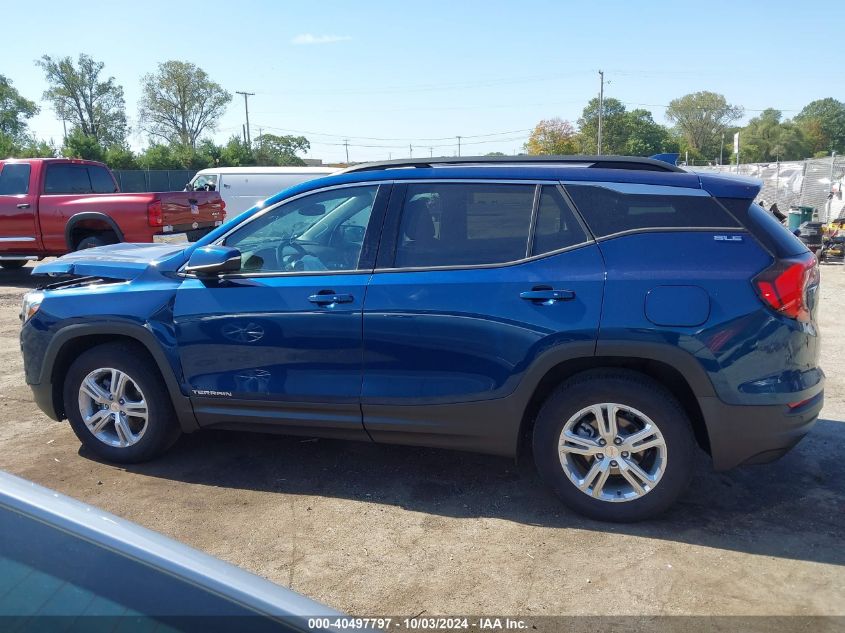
<point x="113" y="407"/>
<point x="612" y="452"/>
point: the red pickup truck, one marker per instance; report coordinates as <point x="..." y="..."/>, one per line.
<point x="51" y="206"/>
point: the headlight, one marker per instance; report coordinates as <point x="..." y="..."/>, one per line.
<point x="31" y="302"/>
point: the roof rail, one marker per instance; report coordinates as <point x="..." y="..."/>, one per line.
<point x="602" y="162"/>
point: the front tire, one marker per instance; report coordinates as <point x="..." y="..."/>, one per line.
<point x="614" y="445"/>
<point x="13" y="264"/>
<point x="117" y="405"/>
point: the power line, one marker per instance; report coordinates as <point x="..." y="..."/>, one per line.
<point x="401" y="138"/>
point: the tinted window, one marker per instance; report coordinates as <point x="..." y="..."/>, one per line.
<point x="67" y="179"/>
<point x="323" y="231"/>
<point x="464" y="224"/>
<point x="627" y="207"/>
<point x="101" y="180"/>
<point x="14" y="179"/>
<point x="556" y="226"/>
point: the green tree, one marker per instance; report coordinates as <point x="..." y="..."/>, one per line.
<point x="614" y="127"/>
<point x="236" y="153"/>
<point x="645" y="137"/>
<point x="14" y="112"/>
<point x="823" y="124"/>
<point x="767" y="138"/>
<point x="179" y="102"/>
<point x="158" y="156"/>
<point x="37" y="149"/>
<point x="210" y="152"/>
<point x="121" y="157"/>
<point x="274" y="150"/>
<point x="552" y="137"/>
<point x="701" y="118"/>
<point x="93" y="106"/>
<point x="81" y="145"/>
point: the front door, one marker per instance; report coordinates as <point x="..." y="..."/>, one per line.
<point x="18" y="228"/>
<point x="279" y="343"/>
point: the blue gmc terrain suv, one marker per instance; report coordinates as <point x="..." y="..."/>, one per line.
<point x="610" y="313"/>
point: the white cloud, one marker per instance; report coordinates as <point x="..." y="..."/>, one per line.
<point x="308" y="38"/>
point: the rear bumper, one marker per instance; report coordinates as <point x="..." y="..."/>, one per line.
<point x="752" y="434"/>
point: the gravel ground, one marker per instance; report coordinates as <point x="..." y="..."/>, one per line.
<point x="398" y="531"/>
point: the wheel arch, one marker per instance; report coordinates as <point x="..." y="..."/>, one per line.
<point x="79" y="220"/>
<point x="671" y="367"/>
<point x="73" y="340"/>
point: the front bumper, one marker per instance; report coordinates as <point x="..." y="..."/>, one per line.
<point x="753" y="434"/>
<point x="42" y="394"/>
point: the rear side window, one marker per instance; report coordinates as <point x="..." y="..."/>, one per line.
<point x="14" y="179"/>
<point x="610" y="208"/>
<point x="101" y="180"/>
<point x="463" y="224"/>
<point x="556" y="226"/>
<point x="67" y="179"/>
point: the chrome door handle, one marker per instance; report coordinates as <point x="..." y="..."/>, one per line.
<point x="330" y="298"/>
<point x="547" y="295"/>
<point x="23" y="205"/>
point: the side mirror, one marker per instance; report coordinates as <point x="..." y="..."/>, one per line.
<point x="210" y="261"/>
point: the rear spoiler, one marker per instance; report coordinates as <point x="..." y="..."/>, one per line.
<point x="670" y="158"/>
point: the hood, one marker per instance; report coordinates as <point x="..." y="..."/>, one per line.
<point x="117" y="261"/>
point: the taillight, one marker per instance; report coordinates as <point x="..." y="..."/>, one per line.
<point x="785" y="285"/>
<point x="155" y="216"/>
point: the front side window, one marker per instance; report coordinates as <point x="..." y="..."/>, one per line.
<point x="464" y="224"/>
<point x="14" y="179"/>
<point x="611" y="208"/>
<point x="67" y="179"/>
<point x="204" y="182"/>
<point x="318" y="232"/>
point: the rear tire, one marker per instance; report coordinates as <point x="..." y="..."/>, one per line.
<point x="117" y="404"/>
<point x="12" y="264"/>
<point x="589" y="467"/>
<point x="98" y="239"/>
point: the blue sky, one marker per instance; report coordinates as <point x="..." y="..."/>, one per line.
<point x="412" y="72"/>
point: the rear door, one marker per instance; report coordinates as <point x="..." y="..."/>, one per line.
<point x="63" y="182"/>
<point x="18" y="207"/>
<point x="475" y="281"/>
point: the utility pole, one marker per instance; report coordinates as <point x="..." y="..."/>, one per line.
<point x="246" y="107"/>
<point x="601" y="109"/>
<point x="431" y="152"/>
<point x="346" y="145"/>
<point x="410" y="150"/>
<point x="459" y="146"/>
<point x="722" y="149"/>
<point x="64" y="127"/>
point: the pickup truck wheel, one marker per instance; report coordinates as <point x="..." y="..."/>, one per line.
<point x="12" y="264"/>
<point x="100" y="239"/>
<point x="118" y="406"/>
<point x="614" y="445"/>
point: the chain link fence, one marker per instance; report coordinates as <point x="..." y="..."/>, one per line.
<point x="814" y="182"/>
<point x="138" y="180"/>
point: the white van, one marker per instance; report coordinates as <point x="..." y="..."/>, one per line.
<point x="244" y="187"/>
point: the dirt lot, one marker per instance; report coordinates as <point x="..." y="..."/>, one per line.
<point x="398" y="531"/>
